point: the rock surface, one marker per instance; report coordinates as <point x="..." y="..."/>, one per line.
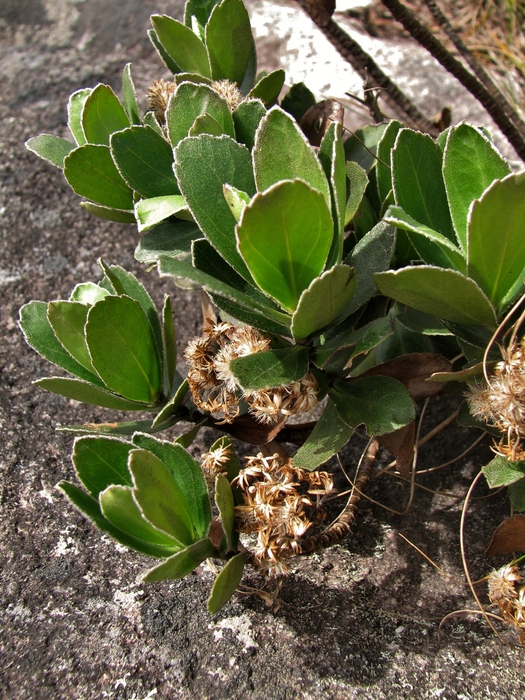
<point x="359" y="621"/>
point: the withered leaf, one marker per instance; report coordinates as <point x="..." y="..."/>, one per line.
<point x="413" y="370"/>
<point x="401" y="444"/>
<point x="508" y="537"/>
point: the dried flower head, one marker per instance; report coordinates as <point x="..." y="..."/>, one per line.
<point x="279" y="508"/>
<point x="502" y="402"/>
<point x="214" y="462"/>
<point x="214" y="386"/>
<point x="159" y="93"/>
<point x="509" y="596"/>
<point x="229" y="91"/>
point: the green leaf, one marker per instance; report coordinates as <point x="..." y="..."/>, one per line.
<point x="205" y="124"/>
<point x="183" y="46"/>
<point x="496" y="244"/>
<point x="90" y="507"/>
<point x="361" y="146"/>
<point x="191" y="101"/>
<point x="91" y="172"/>
<point x="67" y="319"/>
<point x="203" y="165"/>
<point x="164" y="55"/>
<point x="383" y="165"/>
<point x="502" y="472"/>
<point x="187" y="474"/>
<point x="273" y="368"/>
<point x="186" y="439"/>
<point x="150" y="212"/>
<point x="418" y="183"/>
<point x="227" y="582"/>
<point x="517" y="495"/>
<point x="433" y="247"/>
<point x="383" y="404"/>
<point x="170" y="343"/>
<point x="226" y="504"/>
<point x="236" y="200"/>
<point x="178" y="269"/>
<point x="250" y="316"/>
<point x="422" y="323"/>
<point x="330" y="434"/>
<point x="324" y="300"/>
<point x="372" y="254"/>
<point x="284" y="237"/>
<point x="74" y="114"/>
<point x="470" y="164"/>
<point x="246" y="119"/>
<point x="172" y="238"/>
<point x="199" y="11"/>
<point x="159" y="497"/>
<point x="357" y="182"/>
<point x="123" y="349"/>
<point x="122" y="216"/>
<point x="273" y="163"/>
<point x="268" y="88"/>
<point x="101" y="462"/>
<point x="102" y="115"/>
<point x="332" y="157"/>
<point x="182" y="563"/>
<point x="119" y="507"/>
<point x="51" y="148"/>
<point x="129" y="96"/>
<point x="145" y="161"/>
<point x="171" y="408"/>
<point x="229" y="41"/>
<point x="39" y="334"/>
<point x="446" y="294"/>
<point x="87" y="392"/>
<point x="150" y="119"/>
<point x="88" y="293"/>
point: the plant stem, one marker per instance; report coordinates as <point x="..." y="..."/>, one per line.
<point x="342" y="526"/>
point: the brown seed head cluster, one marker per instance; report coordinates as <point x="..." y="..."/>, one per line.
<point x="506" y="592"/>
<point x="502" y="402"/>
<point x="215" y="389"/>
<point x="279" y="504"/>
<point x="159" y="93"/>
<point x="214" y="462"/>
<point x="229" y="91"/>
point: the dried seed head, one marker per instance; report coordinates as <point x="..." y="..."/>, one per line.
<point x="509" y="596"/>
<point x="159" y="93"/>
<point x="269" y="405"/>
<point x="502" y="402"/>
<point x="229" y="91"/>
<point x="279" y="504"/>
<point x="214" y="462"/>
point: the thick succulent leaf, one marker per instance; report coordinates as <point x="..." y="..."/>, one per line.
<point x="186" y="473"/>
<point x="324" y="300"/>
<point x="206" y="124"/>
<point x="102" y="115"/>
<point x="123" y="349"/>
<point x="67" y="319"/>
<point x="203" y="165"/>
<point x="88" y="293"/>
<point x="383" y="404"/>
<point x="361" y="145"/>
<point x="51" y="148"/>
<point x="357" y="184"/>
<point x="184" y="47"/>
<point x="273" y="163"/>
<point x="229" y="41"/>
<point x="199" y="11"/>
<point x="236" y="200"/>
<point x="172" y="238"/>
<point x="90" y="507"/>
<point x="246" y="119"/>
<point x="332" y="157"/>
<point x="171" y="408"/>
<point x="383" y="165"/>
<point x="101" y="462"/>
<point x="191" y="101"/>
<point x="182" y="563"/>
<point x="170" y="344"/>
<point x="122" y="216"/>
<point x="227" y="582"/>
<point x="159" y="497"/>
<point x="284" y="237"/>
<point x="150" y="212"/>
<point x="330" y="434"/>
<point x="433" y="247"/>
<point x="129" y="96"/>
<point x="39" y="334"/>
<point x="252" y="317"/>
<point x="268" y="88"/>
<point x="85" y="392"/>
<point x="502" y="472"/>
<point x="119" y="507"/>
<point x="145" y="161"/>
<point x="74" y="114"/>
<point x="273" y="368"/>
<point x="443" y="293"/>
<point x="471" y="163"/>
<point x="178" y="269"/>
<point x="225" y="503"/>
<point x="496" y="244"/>
<point x="418" y="183"/>
<point x="164" y="55"/>
<point x="91" y="172"/>
<point x="354" y="342"/>
<point x="298" y="100"/>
